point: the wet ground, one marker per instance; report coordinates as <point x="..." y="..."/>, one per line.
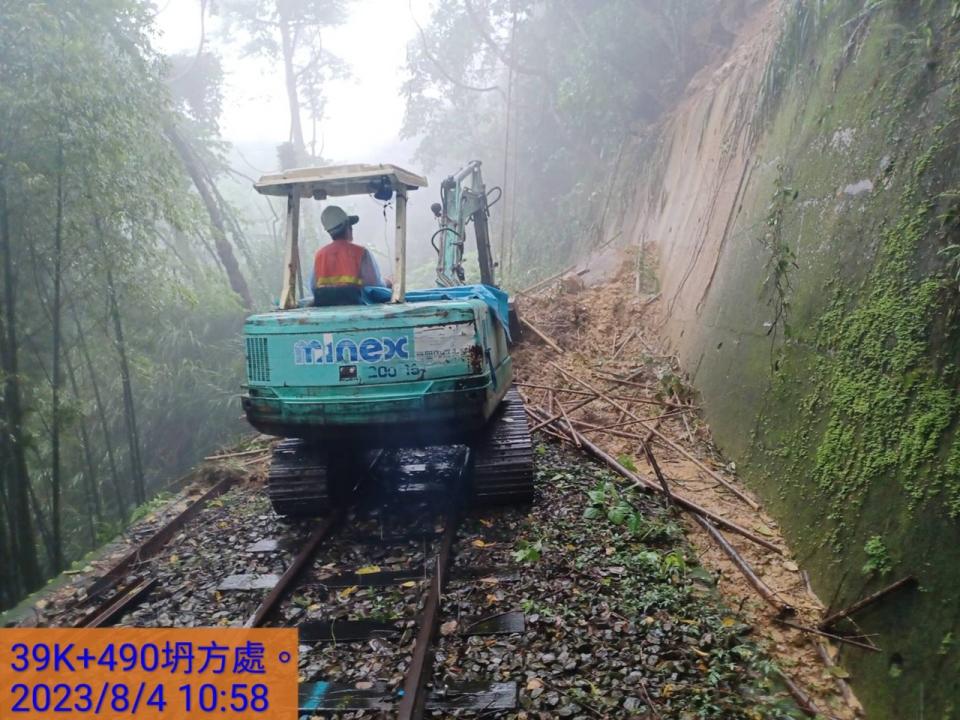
<point x="616" y="617"/>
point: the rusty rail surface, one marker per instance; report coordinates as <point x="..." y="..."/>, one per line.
<point x="156" y="542"/>
<point x="115" y="606"/>
<point x="412" y="701"/>
<point x="146" y="550"/>
<point x="290" y="575"/>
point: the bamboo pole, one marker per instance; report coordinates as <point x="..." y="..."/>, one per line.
<point x="837" y="638"/>
<point x="557" y="416"/>
<point x="869" y="600"/>
<point x="237" y="454"/>
<point x="601" y="455"/>
<point x="664" y="439"/>
<point x="803" y="700"/>
<point x="763" y="590"/>
<point x="540" y="334"/>
<point x="566" y="418"/>
<point x="543" y="283"/>
<point x="642" y="401"/>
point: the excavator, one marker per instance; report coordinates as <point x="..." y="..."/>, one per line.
<point x="405" y="369"/>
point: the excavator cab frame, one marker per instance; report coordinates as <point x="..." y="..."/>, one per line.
<point x="381" y="180"/>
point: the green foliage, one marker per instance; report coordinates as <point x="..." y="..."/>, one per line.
<point x="85" y="107"/>
<point x="707" y="665"/>
<point x="606" y="502"/>
<point x="151" y="506"/>
<point x="528" y="552"/>
<point x="782" y="259"/>
<point x="878" y="557"/>
<point x="579" y="78"/>
<point x="888" y="407"/>
<point x="951" y="253"/>
<point x="946" y="644"/>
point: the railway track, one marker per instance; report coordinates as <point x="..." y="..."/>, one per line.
<point x="428" y="486"/>
<point x="433" y="483"/>
<point x="395" y="600"/>
<point x="127" y="581"/>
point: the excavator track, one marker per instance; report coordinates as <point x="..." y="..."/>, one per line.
<point x="503" y="459"/>
<point x="298" y="483"/>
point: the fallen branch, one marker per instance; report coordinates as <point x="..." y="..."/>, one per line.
<point x="557" y="416"/>
<point x="237" y="454"/>
<point x="604" y="457"/>
<point x="803" y="700"/>
<point x="842" y="685"/>
<point x="869" y="600"/>
<point x="566" y="419"/>
<point x="743" y="566"/>
<point x="647" y="699"/>
<point x="548" y="431"/>
<point x="540" y="334"/>
<point x="838" y="638"/>
<point x="656" y="471"/>
<point x="543" y="283"/>
<point x="649" y="301"/>
<point x="664" y="439"/>
<point x="623" y="344"/>
<point x="622" y="381"/>
<point x="686" y="425"/>
<point x="715" y="475"/>
<point x="588" y="428"/>
<point x="625" y="423"/>
<point x="643" y="401"/>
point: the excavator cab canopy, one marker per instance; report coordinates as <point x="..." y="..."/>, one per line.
<point x="339" y="181"/>
<point x="320" y="183"/>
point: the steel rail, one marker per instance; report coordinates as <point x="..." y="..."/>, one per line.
<point x="290" y="575"/>
<point x="156" y="542"/>
<point x="129" y="598"/>
<point x="327" y="526"/>
<point x="144" y="551"/>
<point x="412" y="701"/>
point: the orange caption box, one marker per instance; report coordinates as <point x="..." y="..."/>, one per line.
<point x="148" y="673"/>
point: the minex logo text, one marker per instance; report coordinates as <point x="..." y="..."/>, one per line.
<point x="368" y="350"/>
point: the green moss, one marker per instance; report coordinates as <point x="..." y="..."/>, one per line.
<point x="854" y="438"/>
<point x="876" y="390"/>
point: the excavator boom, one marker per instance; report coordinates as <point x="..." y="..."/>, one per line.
<point x="463" y="199"/>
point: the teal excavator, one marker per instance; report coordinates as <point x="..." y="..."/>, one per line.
<point x="406" y="369"/>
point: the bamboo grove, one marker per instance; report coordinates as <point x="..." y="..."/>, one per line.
<point x="122" y="290"/>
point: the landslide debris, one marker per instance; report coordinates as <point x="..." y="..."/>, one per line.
<point x="609" y="336"/>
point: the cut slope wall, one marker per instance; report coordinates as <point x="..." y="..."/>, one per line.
<point x="803" y="199"/>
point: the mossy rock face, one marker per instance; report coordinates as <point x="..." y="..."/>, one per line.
<point x="844" y="413"/>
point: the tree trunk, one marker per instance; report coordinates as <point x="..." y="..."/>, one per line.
<point x="56" y="479"/>
<point x="16" y="471"/>
<point x="94" y="506"/>
<point x="129" y="411"/>
<point x="9" y="585"/>
<point x="41" y="524"/>
<point x="120" y="497"/>
<point x="203" y="184"/>
<point x="293" y="96"/>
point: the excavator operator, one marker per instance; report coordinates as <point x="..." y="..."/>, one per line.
<point x="341" y="269"/>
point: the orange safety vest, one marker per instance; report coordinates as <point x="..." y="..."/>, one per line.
<point x="338" y="264"/>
